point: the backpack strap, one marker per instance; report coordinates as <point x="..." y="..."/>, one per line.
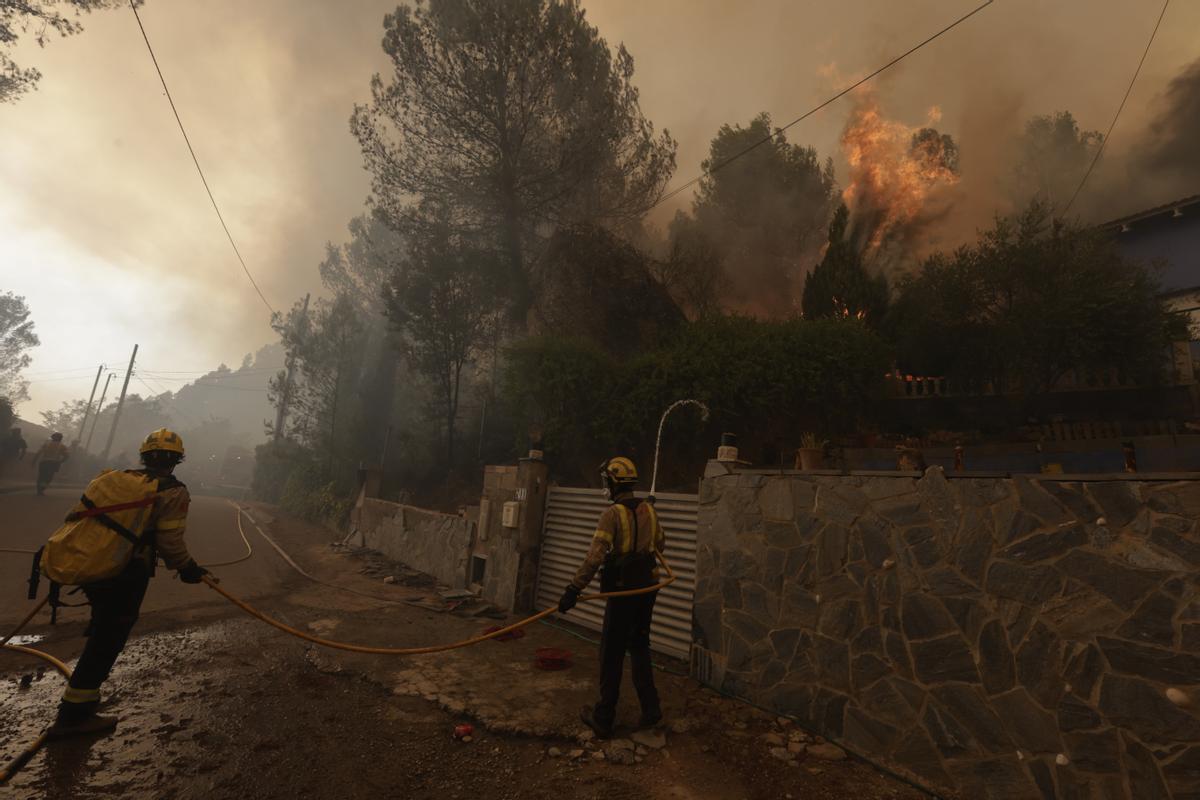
<point x="92" y="510"/>
<point x="101" y="515"/>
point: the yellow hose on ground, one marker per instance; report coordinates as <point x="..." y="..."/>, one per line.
<point x="25" y="621"/>
<point x="438" y="648"/>
<point x="245" y="541"/>
<point x="54" y="662"/>
<point x="23" y="758"/>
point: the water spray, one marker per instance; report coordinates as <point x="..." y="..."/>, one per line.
<point x="658" y="442"/>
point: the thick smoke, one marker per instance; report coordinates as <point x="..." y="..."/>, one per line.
<point x="1172" y="152"/>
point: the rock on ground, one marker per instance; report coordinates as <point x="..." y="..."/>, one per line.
<point x="826" y="752"/>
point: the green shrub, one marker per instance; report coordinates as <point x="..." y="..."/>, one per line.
<point x="767" y="380"/>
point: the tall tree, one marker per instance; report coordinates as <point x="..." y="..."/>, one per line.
<point x="327" y="347"/>
<point x="840" y="285"/>
<point x="16" y="339"/>
<point x="693" y="268"/>
<point x="1053" y="153"/>
<point x="515" y="117"/>
<point x="763" y="211"/>
<point x="361" y="267"/>
<point x="442" y="303"/>
<point x="40" y="17"/>
<point x="66" y="418"/>
<point x="1032" y="300"/>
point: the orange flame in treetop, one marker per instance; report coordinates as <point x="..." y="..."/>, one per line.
<point x="895" y="171"/>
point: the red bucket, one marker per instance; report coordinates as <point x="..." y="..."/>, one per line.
<point x="552" y="659"/>
<point x="519" y="633"/>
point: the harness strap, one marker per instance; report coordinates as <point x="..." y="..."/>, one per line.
<point x="92" y="510"/>
<point x="99" y="513"/>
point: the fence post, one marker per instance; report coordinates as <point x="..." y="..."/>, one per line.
<point x="531" y="493"/>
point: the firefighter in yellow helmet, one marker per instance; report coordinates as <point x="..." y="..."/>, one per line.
<point x="627" y="539"/>
<point x="116" y="601"/>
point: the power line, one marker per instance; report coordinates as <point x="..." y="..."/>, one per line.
<point x="205" y="372"/>
<point x="175" y="409"/>
<point x="815" y="109"/>
<point x="196" y="161"/>
<point x="1121" y="107"/>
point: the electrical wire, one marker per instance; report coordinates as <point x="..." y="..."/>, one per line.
<point x="196" y="161"/>
<point x="246" y="371"/>
<point x="779" y="131"/>
<point x="1116" y="116"/>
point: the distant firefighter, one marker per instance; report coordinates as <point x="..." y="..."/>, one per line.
<point x="109" y="545"/>
<point x="48" y="459"/>
<point x="12" y="449"/>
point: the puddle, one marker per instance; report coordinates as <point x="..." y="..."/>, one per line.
<point x="27" y="639"/>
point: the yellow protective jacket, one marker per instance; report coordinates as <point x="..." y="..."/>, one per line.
<point x="52" y="451"/>
<point x="126" y="516"/>
<point x="619" y="534"/>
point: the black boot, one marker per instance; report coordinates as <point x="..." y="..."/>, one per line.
<point x="588" y="717"/>
<point x="93" y="723"/>
<point x="650" y="719"/>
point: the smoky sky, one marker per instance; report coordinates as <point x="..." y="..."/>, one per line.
<point x="105" y="228"/>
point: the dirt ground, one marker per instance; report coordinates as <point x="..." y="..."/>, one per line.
<point x="214" y="704"/>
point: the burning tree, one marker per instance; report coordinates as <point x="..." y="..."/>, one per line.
<point x="896" y="172"/>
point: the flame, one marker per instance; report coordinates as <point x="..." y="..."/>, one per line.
<point x="893" y="176"/>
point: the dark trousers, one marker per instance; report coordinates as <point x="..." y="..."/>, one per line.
<point x="626" y="627"/>
<point x="46" y="470"/>
<point x="115" y="607"/>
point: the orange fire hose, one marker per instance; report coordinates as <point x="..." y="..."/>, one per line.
<point x="437" y="648"/>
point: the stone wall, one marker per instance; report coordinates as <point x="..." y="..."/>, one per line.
<point x="432" y="542"/>
<point x="1000" y="637"/>
<point x="448" y="546"/>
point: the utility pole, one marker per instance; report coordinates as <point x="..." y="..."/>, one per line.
<point x="285" y="398"/>
<point x="99" y="408"/>
<point x="88" y="411"/>
<point x="112" y="432"/>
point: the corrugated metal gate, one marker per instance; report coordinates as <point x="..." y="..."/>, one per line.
<point x="570" y="521"/>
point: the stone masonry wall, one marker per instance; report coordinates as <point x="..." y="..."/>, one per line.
<point x="1000" y="637"/>
<point x="432" y="542"/>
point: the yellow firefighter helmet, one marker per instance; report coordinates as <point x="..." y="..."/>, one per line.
<point x="620" y="470"/>
<point x="162" y="439"/>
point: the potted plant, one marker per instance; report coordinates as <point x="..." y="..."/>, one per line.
<point x="810" y="455"/>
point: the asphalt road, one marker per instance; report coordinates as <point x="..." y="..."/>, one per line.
<point x="26" y="521"/>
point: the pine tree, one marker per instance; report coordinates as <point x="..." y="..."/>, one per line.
<point x="840" y="286"/>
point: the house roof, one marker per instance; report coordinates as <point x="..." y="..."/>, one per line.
<point x="1169" y="233"/>
<point x="1171" y="208"/>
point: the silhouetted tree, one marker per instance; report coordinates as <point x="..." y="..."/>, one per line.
<point x="513" y="116"/>
<point x="840" y="285"/>
<point x="1032" y="300"/>
<point x="442" y="302"/>
<point x="39" y="16"/>
<point x="16" y="339"/>
<point x="762" y="211"/>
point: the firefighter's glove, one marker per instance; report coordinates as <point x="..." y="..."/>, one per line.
<point x="570" y="597"/>
<point x="192" y="572"/>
